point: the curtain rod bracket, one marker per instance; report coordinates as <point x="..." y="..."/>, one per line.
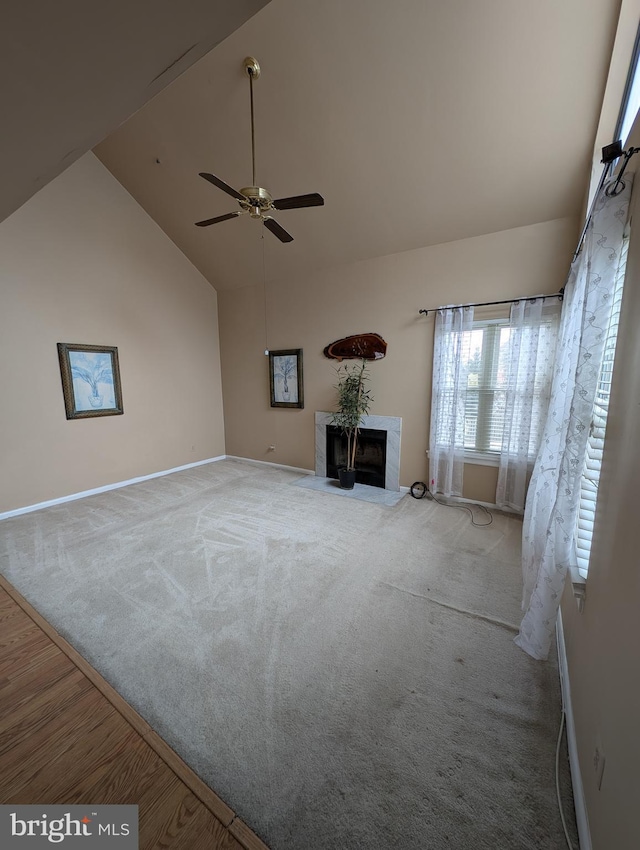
<point x="612" y="152"/>
<point x="609" y="154"/>
<point x="612" y="191"/>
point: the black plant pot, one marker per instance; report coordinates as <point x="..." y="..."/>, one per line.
<point x="347" y="478"/>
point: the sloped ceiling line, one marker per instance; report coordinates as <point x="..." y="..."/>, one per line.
<point x="73" y="71"/>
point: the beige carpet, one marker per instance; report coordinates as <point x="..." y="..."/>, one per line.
<point x="342" y="673"/>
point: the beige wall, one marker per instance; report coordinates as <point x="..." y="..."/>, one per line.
<point x="81" y="262"/>
<point x="381" y="295"/>
<point x="603" y="643"/>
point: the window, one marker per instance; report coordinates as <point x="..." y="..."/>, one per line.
<point x="597" y="431"/>
<point x="490" y="394"/>
<point x="489" y="373"/>
<point x="486" y="386"/>
<point x="631" y="97"/>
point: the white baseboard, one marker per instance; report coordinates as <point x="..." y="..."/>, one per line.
<point x="82" y="495"/>
<point x="116" y="485"/>
<point x="267" y="463"/>
<point x="582" y="817"/>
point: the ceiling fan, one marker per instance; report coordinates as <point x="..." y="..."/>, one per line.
<point x="254" y="200"/>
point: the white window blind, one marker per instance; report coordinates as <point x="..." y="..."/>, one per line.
<point x="595" y="443"/>
<point x="485" y="401"/>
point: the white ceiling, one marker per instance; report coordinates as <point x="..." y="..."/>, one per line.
<point x="73" y="70"/>
<point x="419" y="121"/>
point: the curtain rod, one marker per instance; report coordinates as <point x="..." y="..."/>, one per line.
<point x="559" y="294"/>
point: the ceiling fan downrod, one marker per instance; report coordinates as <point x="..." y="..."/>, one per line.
<point x="253" y="71"/>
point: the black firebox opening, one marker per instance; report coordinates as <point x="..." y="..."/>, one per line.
<point x="371" y="457"/>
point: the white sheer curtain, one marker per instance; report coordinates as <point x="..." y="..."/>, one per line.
<point x="554" y="491"/>
<point x="528" y="367"/>
<point x="451" y="350"/>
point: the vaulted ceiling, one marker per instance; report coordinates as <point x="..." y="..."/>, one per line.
<point x="419" y="121"/>
<point x="73" y="70"/>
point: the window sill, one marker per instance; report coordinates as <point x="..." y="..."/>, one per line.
<point x="489" y="459"/>
<point x="482" y="458"/>
<point x="579" y="584"/>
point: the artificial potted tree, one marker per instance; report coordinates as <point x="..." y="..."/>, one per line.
<point x="354" y="400"/>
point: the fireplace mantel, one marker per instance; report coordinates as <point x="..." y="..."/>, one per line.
<point x="391" y="424"/>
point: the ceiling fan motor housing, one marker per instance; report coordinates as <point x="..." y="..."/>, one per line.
<point x="258" y="201"/>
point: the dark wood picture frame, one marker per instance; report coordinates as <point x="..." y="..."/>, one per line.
<point x="285" y="378"/>
<point x="90" y="380"/>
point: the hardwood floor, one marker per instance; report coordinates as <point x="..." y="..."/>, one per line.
<point x="67" y="737"/>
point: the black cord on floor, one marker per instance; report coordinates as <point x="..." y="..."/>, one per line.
<point x="419" y="490"/>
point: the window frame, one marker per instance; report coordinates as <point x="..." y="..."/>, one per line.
<point x="489" y="456"/>
<point x="633" y="77"/>
<point x="486" y="456"/>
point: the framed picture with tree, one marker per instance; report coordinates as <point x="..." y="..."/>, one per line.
<point x="285" y="378"/>
<point x="90" y="380"/>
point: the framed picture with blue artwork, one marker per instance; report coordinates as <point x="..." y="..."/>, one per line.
<point x="90" y="380"/>
<point x="285" y="378"/>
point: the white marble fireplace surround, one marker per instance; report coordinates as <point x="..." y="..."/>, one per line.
<point x="391" y="424"/>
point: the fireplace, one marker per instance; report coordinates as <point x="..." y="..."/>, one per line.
<point x="371" y="455"/>
<point x="389" y="430"/>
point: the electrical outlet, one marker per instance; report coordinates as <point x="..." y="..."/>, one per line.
<point x="598" y="764"/>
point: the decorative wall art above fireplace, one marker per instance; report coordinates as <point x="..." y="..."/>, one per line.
<point x="285" y="378"/>
<point x="357" y="347"/>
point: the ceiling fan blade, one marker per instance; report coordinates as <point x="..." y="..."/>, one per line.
<point x="272" y="225"/>
<point x="299" y="201"/>
<point x="222" y="185"/>
<point x="215" y="220"/>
